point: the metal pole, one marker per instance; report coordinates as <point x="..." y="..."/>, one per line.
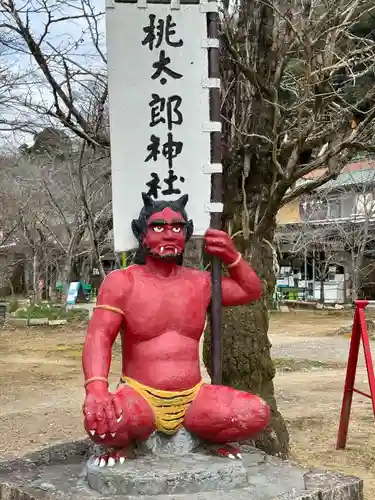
<point x="216" y="197"/>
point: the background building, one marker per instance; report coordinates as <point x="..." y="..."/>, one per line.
<point x="326" y="240"/>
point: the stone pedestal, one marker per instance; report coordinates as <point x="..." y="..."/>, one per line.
<point x="67" y="472"/>
<point x="152" y="476"/>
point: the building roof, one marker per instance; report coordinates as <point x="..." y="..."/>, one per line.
<point x="350" y="167"/>
<point x="351" y="178"/>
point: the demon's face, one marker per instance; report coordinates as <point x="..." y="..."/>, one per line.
<point x="162" y="229"/>
<point x="165" y="235"/>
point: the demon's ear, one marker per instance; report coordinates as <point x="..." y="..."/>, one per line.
<point x="147" y="200"/>
<point x="183" y="200"/>
<point x="137" y="229"/>
<point x="189" y="229"/>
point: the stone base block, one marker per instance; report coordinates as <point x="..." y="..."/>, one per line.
<point x="57" y="322"/>
<point x="62" y="472"/>
<point x="38" y="321"/>
<point x="166" y="476"/>
<point x="18" y="322"/>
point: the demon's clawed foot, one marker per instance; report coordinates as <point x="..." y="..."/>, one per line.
<point x="111" y="458"/>
<point x="226" y="450"/>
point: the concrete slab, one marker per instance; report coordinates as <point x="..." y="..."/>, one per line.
<point x="60" y="472"/>
<point x="38" y="321"/>
<point x="18" y="322"/>
<point x="153" y="476"/>
<point x="57" y="322"/>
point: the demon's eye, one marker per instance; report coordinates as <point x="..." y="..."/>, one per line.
<point x="158" y="229"/>
<point x="176" y="229"/>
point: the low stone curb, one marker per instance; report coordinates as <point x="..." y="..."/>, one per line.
<point x="57" y="322"/>
<point x="38" y="321"/>
<point x="19" y="322"/>
<point x="25" y="322"/>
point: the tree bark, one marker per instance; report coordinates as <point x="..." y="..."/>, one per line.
<point x="322" y="298"/>
<point x="355" y="276"/>
<point x="69" y="273"/>
<point x="26" y="276"/>
<point x="247" y="363"/>
<point x="251" y="202"/>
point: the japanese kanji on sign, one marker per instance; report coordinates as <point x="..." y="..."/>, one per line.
<point x="159" y="109"/>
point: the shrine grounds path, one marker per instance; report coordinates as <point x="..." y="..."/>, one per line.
<point x="41" y="389"/>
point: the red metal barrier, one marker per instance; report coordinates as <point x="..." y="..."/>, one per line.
<point x="359" y="332"/>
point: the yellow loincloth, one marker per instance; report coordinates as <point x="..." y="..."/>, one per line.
<point x="169" y="407"/>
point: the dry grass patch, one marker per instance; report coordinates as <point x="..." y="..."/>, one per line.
<point x="300" y="323"/>
<point x="311" y="404"/>
<point x="41" y="394"/>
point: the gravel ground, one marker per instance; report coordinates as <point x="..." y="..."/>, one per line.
<point x="334" y="349"/>
<point x="41" y="391"/>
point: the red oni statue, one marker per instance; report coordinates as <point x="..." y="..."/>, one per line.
<point x="160" y="308"/>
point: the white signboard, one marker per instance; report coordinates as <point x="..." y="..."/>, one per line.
<point x="159" y="110"/>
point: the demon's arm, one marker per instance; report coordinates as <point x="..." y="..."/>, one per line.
<point x="101" y="408"/>
<point x="243" y="286"/>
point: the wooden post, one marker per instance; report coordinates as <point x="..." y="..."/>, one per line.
<point x="216" y="197"/>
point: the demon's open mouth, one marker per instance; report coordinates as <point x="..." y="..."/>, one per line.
<point x="168" y="251"/>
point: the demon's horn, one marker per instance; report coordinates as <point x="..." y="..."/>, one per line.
<point x="147" y="200"/>
<point x="183" y="200"/>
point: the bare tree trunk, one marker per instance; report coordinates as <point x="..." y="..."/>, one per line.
<point x="35" y="296"/>
<point x="11" y="287"/>
<point x="67" y="272"/>
<point x="247" y="363"/>
<point x="356" y="281"/>
<point x="322" y="298"/>
<point x="26" y="276"/>
<point x="251" y="204"/>
<point x="89" y="218"/>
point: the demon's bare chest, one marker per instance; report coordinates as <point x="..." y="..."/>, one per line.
<point x="157" y="305"/>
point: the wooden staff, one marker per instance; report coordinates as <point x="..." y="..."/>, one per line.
<point x="216" y="197"/>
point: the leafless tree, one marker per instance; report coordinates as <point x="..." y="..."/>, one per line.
<point x="66" y="81"/>
<point x="65" y="84"/>
<point x="291" y="105"/>
<point x="68" y="202"/>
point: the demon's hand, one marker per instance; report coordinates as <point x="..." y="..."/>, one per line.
<point x="102" y="411"/>
<point x="219" y="243"/>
